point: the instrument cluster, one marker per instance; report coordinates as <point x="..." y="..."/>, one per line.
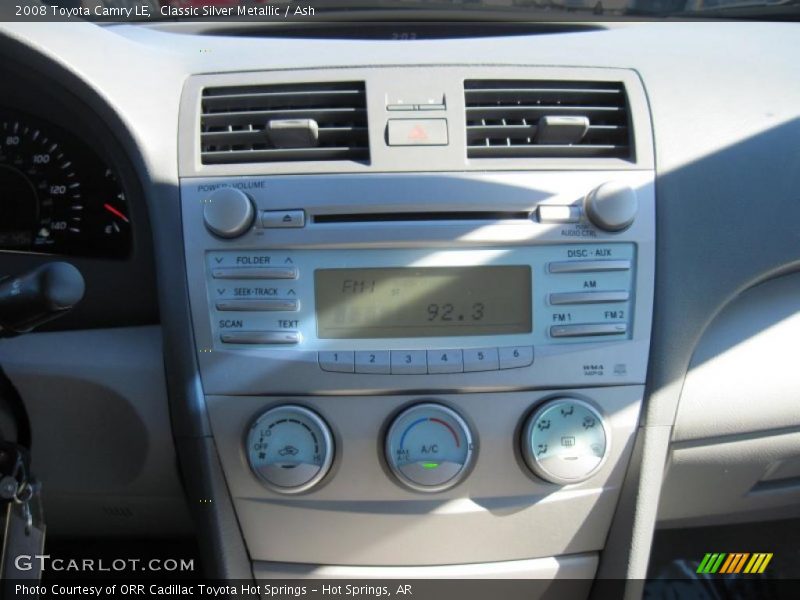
<point x="57" y="194"/>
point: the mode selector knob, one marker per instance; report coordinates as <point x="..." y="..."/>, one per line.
<point x="611" y="206"/>
<point x="228" y="213"/>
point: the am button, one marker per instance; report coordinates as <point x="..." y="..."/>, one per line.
<point x="417" y="132"/>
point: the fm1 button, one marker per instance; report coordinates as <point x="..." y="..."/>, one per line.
<point x="337" y="361"/>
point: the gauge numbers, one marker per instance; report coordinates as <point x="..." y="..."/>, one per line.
<point x="56" y="195"/>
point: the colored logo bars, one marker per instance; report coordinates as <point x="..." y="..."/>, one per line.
<point x="733" y="563"/>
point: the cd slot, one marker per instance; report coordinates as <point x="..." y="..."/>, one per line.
<point x="396" y="217"/>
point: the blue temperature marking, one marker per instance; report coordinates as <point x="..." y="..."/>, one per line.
<point x="414" y="424"/>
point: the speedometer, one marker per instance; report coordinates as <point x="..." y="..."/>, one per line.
<point x="56" y="195"/>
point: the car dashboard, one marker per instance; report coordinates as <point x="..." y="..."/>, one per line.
<point x="361" y="304"/>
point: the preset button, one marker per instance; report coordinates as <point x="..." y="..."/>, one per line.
<point x="373" y="361"/>
<point x="481" y="359"/>
<point x="515" y="357"/>
<point x="337" y="361"/>
<point x="445" y="361"/>
<point x="409" y="362"/>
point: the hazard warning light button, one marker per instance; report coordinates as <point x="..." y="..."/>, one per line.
<point x="416" y="132"/>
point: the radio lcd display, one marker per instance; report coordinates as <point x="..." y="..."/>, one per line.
<point x="408" y="302"/>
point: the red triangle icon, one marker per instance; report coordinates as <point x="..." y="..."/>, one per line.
<point x="418" y="134"/>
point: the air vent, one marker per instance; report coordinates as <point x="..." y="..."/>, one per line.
<point x="278" y="123"/>
<point x="547" y="119"/>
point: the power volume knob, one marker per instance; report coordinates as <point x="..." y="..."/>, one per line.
<point x="611" y="206"/>
<point x="228" y="213"/>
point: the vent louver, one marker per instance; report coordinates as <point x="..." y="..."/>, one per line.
<point x="289" y="122"/>
<point x="526" y="119"/>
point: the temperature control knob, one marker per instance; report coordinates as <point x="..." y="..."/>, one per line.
<point x="429" y="448"/>
<point x="228" y="212"/>
<point x="290" y="448"/>
<point x="565" y="441"/>
<point x="611" y="206"/>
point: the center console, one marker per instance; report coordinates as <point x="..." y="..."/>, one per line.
<point x="432" y="353"/>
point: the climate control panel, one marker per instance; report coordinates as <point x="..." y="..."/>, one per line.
<point x="428" y="447"/>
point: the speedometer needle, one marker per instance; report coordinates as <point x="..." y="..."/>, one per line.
<point x="115" y="212"/>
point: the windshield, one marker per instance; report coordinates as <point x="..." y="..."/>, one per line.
<point x="424" y="10"/>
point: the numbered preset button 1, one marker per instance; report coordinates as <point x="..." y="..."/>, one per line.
<point x="409" y="362"/>
<point x="445" y="361"/>
<point x="373" y="361"/>
<point x="481" y="359"/>
<point x="337" y="361"/>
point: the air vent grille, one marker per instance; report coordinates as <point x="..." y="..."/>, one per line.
<point x="524" y="119"/>
<point x="279" y="123"/>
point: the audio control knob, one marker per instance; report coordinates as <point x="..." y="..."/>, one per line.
<point x="611" y="206"/>
<point x="228" y="213"/>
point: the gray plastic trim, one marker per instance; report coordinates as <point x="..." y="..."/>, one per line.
<point x="573" y="566"/>
<point x="732" y="477"/>
<point x="383" y="83"/>
<point x="360" y="516"/>
<point x="97" y="402"/>
<point x="744" y="368"/>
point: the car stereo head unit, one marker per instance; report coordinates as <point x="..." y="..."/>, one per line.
<point x="331" y="284"/>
